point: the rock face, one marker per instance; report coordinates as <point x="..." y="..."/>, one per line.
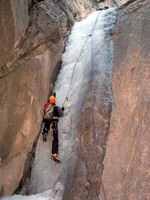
<point x="127" y="161"/>
<point x="110" y="3"/>
<point x="32" y="36"/>
<point x="80" y="8"/>
<point x="32" y="41"/>
<point x="37" y="30"/>
<point x="121" y="2"/>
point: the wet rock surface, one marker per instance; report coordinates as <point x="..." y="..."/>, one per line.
<point x="7" y="31"/>
<point x="32" y="41"/>
<point x="20" y="114"/>
<point x="127" y="161"/>
<point x="39" y="28"/>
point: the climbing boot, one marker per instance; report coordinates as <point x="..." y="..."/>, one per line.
<point x="55" y="158"/>
<point x="44" y="137"/>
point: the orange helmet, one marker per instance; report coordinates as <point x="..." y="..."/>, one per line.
<point x="52" y="99"/>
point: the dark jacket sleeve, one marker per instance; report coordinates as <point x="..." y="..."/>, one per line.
<point x="60" y="111"/>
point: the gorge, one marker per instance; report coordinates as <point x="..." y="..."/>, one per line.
<point x="33" y="46"/>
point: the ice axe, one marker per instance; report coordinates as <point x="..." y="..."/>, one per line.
<point x="53" y="92"/>
<point x="65" y="102"/>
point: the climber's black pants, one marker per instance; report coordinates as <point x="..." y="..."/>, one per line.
<point x="55" y="133"/>
<point x="55" y="137"/>
<point x="46" y="126"/>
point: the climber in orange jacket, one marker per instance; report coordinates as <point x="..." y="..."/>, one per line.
<point x="51" y="116"/>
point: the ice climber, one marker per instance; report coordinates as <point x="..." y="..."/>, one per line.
<point x="51" y="115"/>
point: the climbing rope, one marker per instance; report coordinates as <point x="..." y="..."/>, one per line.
<point x="75" y="67"/>
<point x="66" y="99"/>
<point x="91" y="32"/>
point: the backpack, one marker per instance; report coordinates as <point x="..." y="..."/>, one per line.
<point x="49" y="112"/>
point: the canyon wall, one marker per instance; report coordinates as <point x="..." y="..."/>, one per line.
<point x="122" y="2"/>
<point x="33" y="35"/>
<point x="127" y="161"/>
<point x="80" y="8"/>
<point x="32" y="41"/>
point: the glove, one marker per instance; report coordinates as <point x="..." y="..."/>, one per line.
<point x="54" y="94"/>
<point x="62" y="108"/>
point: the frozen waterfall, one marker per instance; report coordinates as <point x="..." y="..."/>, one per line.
<point x="48" y="178"/>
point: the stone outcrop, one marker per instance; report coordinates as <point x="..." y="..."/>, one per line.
<point x="32" y="41"/>
<point x="110" y="3"/>
<point x="127" y="161"/>
<point x="35" y="28"/>
<point x="80" y="8"/>
<point x="122" y="2"/>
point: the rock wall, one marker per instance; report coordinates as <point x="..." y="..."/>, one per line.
<point x="121" y="2"/>
<point x="80" y="8"/>
<point x="127" y="161"/>
<point x="111" y="3"/>
<point x="32" y="41"/>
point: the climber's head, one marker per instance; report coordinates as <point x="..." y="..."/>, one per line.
<point x="52" y="99"/>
